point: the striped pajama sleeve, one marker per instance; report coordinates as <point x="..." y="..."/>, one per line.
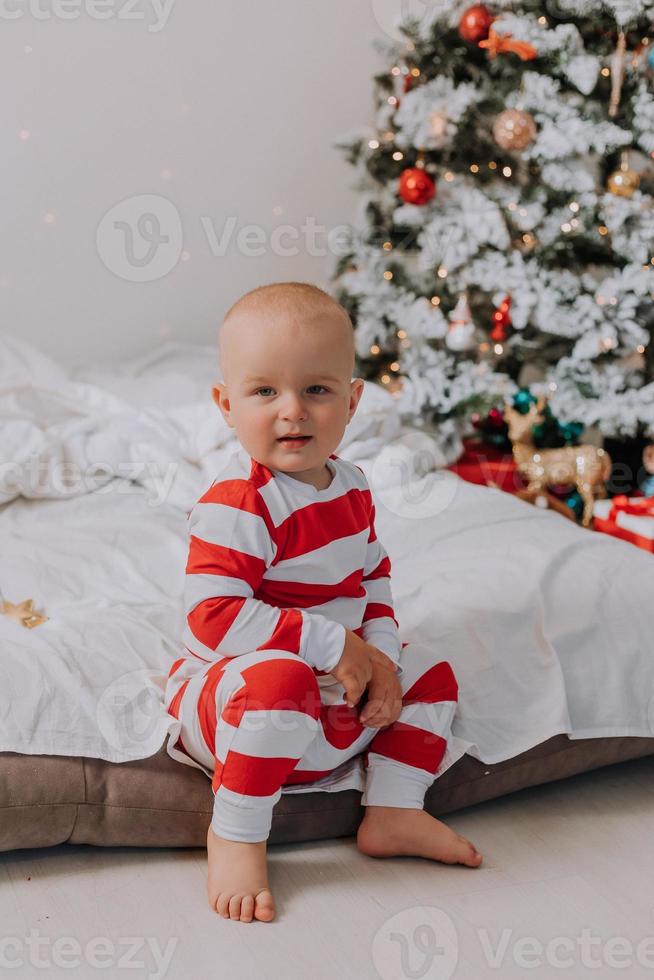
<point x="231" y="544"/>
<point x="379" y="625"/>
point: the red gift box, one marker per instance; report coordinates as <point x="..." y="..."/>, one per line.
<point x="629" y="518"/>
<point x="488" y="466"/>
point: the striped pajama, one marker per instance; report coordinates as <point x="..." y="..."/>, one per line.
<point x="257" y="722"/>
<point x="277" y="572"/>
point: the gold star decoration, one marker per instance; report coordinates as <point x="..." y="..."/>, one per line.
<point x="23" y="613"/>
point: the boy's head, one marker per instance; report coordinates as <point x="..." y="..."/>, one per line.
<point x="286" y="354"/>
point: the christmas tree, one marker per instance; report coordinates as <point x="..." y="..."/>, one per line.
<point x="506" y="236"/>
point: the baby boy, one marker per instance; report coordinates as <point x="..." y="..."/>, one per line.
<point x="292" y="659"/>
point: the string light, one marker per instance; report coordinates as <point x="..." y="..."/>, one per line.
<point x="507" y="171"/>
<point x="498" y="349"/>
<point x="606" y="72"/>
<point x="392" y="100"/>
<point x="435" y="301"/>
<point x="512" y="206"/>
<point x="373" y="144"/>
<point x="566" y="227"/>
<point x="474" y="168"/>
<point x="415" y="72"/>
<point x="388" y="274"/>
<point x="387" y="246"/>
<point x="449" y="175"/>
<point x="442" y="272"/>
<point x="640" y="349"/>
<point x="385" y="378"/>
<point x="395" y="70"/>
<point x="398" y="155"/>
<point x="542" y="20"/>
<point x="394" y="366"/>
<point x="492" y="165"/>
<point x="401" y="334"/>
<point x="375" y="349"/>
<point x="574" y="206"/>
<point x="603" y="230"/>
<point x="553" y="386"/>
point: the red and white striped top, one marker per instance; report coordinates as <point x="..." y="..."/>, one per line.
<point x="274" y="563"/>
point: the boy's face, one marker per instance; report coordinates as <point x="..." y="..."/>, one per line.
<point x="288" y="374"/>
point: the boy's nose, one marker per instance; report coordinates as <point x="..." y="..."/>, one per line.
<point x="293" y="408"/>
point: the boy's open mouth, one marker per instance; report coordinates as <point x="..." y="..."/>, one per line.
<point x="294" y="440"/>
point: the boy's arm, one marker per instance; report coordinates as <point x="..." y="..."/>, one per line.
<point x="230" y="547"/>
<point x="379" y="625"/>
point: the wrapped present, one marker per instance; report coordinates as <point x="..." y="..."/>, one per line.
<point x="487" y="465"/>
<point x="629" y="518"/>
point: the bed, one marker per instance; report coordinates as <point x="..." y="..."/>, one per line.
<point x="548" y="625"/>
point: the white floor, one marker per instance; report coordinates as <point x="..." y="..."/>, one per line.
<point x="566" y="890"/>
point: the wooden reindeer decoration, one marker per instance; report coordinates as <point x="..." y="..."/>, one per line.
<point x="586" y="467"/>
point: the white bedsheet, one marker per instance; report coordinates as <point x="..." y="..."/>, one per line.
<point x="549" y="627"/>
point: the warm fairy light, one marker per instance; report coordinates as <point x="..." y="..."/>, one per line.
<point x="574" y="206"/>
<point x="640" y="349"/>
<point x="387" y="246"/>
<point x="512" y="205"/>
<point x="507" y="171"/>
<point x="449" y="175"/>
<point x="574" y="223"/>
<point x="542" y="20"/>
<point x="498" y="349"/>
<point x="389" y="135"/>
<point x="398" y="155"/>
<point x="566" y="227"/>
<point x="373" y="144"/>
<point x="474" y="168"/>
<point x="492" y="165"/>
<point x="401" y="334"/>
<point x="388" y="274"/>
<point x="392" y="100"/>
<point x="375" y="349"/>
<point x="395" y="70"/>
<point x="395" y="366"/>
<point x="415" y="72"/>
<point x="442" y="272"/>
<point x="606" y="72"/>
<point x="608" y="343"/>
<point x="613" y="301"/>
<point x="603" y="230"/>
<point x="552" y="386"/>
<point x="528" y="239"/>
<point x="435" y="301"/>
<point x="385" y="378"/>
<point x="483" y="347"/>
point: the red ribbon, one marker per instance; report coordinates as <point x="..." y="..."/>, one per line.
<point x="638" y="506"/>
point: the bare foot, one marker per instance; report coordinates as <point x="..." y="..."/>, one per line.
<point x="386" y="831"/>
<point x="237" y="885"/>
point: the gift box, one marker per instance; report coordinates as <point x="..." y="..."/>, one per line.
<point x="488" y="466"/>
<point x="629" y="518"/>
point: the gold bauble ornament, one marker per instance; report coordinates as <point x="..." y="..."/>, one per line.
<point x="623" y="181"/>
<point x="514" y="129"/>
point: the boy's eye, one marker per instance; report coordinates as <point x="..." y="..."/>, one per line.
<point x="266" y="388"/>
<point x="269" y="388"/>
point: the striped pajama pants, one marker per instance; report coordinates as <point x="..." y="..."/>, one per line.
<point x="256" y="722"/>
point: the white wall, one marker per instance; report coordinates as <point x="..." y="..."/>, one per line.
<point x="226" y="110"/>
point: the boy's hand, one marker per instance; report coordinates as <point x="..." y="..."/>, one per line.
<point x="355" y="668"/>
<point x="384" y="699"/>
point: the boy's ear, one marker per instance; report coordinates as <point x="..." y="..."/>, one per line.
<point x="356" y="390"/>
<point x="221" y="398"/>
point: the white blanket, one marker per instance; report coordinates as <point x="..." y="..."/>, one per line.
<point x="549" y="627"/>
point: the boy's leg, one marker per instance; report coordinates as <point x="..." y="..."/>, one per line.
<point x="250" y="718"/>
<point x="402" y="759"/>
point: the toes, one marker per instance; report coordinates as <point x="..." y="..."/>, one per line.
<point x="247" y="908"/>
<point x="222" y="905"/>
<point x="264" y="907"/>
<point x="235" y="906"/>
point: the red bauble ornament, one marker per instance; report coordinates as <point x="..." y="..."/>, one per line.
<point x="501" y="320"/>
<point x="416" y="186"/>
<point x="408" y="82"/>
<point x="475" y="23"/>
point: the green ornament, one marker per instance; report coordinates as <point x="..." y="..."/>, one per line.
<point x="575" y="503"/>
<point x="571" y="432"/>
<point x="522" y="400"/>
